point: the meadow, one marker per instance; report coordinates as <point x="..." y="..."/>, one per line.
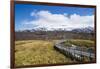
<point x="37" y="52"/>
<point x="81" y="43"/>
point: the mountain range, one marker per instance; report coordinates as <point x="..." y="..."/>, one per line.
<point x="76" y="30"/>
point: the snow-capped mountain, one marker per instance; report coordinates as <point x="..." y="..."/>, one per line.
<point x="84" y="30"/>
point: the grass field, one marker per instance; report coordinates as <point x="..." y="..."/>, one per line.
<point x="35" y="52"/>
<point x="81" y="43"/>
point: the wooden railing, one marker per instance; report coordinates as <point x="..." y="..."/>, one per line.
<point x="74" y="53"/>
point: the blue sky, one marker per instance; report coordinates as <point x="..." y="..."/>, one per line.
<point x="23" y="15"/>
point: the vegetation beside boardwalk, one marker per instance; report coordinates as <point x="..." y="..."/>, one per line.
<point x="35" y="52"/>
<point x="81" y="43"/>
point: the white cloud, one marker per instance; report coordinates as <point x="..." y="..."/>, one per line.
<point x="48" y="20"/>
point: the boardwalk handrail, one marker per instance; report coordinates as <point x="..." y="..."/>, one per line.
<point x="74" y="52"/>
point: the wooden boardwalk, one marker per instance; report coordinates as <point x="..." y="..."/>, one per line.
<point x="74" y="52"/>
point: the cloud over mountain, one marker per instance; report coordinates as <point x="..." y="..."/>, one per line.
<point x="48" y="20"/>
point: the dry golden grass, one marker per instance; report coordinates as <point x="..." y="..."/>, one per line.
<point x="81" y="42"/>
<point x="35" y="52"/>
